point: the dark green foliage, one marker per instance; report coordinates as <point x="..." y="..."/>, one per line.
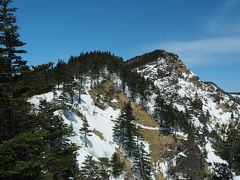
<point x="228" y="147"/>
<point x="137" y="85"/>
<point x="142" y="162"/>
<point x="12" y="105"/>
<point x="222" y="171"/>
<point x="158" y="106"/>
<point x="32" y="146"/>
<point x="94" y="62"/>
<point x="197" y="103"/>
<point x="117" y="165"/>
<point x="60" y="72"/>
<point x="68" y="89"/>
<point x="148" y="58"/>
<point x="84" y="130"/>
<point x="90" y="169"/>
<point x="104" y="165"/>
<point x="10" y="61"/>
<point x="165" y="114"/>
<point x="125" y="131"/>
<point x="170" y="118"/>
<point x="41" y="80"/>
<point x="44" y="147"/>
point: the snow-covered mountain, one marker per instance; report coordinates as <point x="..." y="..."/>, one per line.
<point x="179" y="155"/>
<point x="178" y="85"/>
<point x="175" y="80"/>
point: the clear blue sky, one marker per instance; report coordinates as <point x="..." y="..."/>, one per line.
<point x="205" y="34"/>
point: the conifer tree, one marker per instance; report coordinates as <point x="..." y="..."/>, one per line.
<point x="119" y="129"/>
<point x="60" y="72"/>
<point x="10" y="62"/>
<point x="131" y="131"/>
<point x="12" y="105"/>
<point x="84" y="130"/>
<point x="142" y="162"/>
<point x="90" y="169"/>
<point x="125" y="130"/>
<point x="103" y="168"/>
<point x="158" y="108"/>
<point x="43" y="150"/>
<point x="59" y="154"/>
<point x="117" y="165"/>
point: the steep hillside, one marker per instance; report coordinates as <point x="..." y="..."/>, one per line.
<point x="180" y="118"/>
<point x="209" y="107"/>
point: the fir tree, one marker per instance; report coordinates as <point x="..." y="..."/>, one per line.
<point x="85" y="130"/>
<point x="13" y="106"/>
<point x="59" y="154"/>
<point x="103" y="168"/>
<point x="60" y="72"/>
<point x="125" y="130"/>
<point x="158" y="106"/>
<point x="119" y="129"/>
<point x="90" y="170"/>
<point x="142" y="162"/>
<point x="117" y="165"/>
<point x="10" y="63"/>
<point x="222" y="171"/>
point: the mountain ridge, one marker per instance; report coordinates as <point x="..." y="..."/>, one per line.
<point x="181" y="90"/>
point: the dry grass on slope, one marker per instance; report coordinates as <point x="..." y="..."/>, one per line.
<point x="160" y="145"/>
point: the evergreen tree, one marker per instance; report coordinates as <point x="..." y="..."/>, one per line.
<point x="34" y="144"/>
<point x="42" y="80"/>
<point x="85" y="130"/>
<point x="142" y="162"/>
<point x="80" y="84"/>
<point x="59" y="153"/>
<point x="131" y="130"/>
<point x="125" y="130"/>
<point x="117" y="165"/>
<point x="13" y="106"/>
<point x="222" y="171"/>
<point x="158" y="106"/>
<point x="119" y="129"/>
<point x="69" y="87"/>
<point x="60" y="72"/>
<point x="10" y="63"/>
<point x="90" y="170"/>
<point x="103" y="168"/>
<point x="42" y="151"/>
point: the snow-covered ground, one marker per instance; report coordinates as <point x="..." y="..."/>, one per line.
<point x="99" y="120"/>
<point x="186" y="87"/>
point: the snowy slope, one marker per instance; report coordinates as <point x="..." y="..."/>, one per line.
<point x="180" y="86"/>
<point x="98" y="119"/>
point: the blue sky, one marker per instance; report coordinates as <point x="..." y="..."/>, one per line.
<point x="205" y="34"/>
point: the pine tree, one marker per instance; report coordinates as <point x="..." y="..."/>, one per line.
<point x="60" y="72"/>
<point x="10" y="62"/>
<point x="127" y="132"/>
<point x="142" y="162"/>
<point x="222" y="171"/>
<point x="117" y="165"/>
<point x="85" y="130"/>
<point x="130" y="142"/>
<point x="13" y="106"/>
<point x="59" y="155"/>
<point x="80" y="84"/>
<point x="69" y="87"/>
<point x="90" y="170"/>
<point x="158" y="107"/>
<point x="119" y="129"/>
<point x="43" y="150"/>
<point x="103" y="168"/>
